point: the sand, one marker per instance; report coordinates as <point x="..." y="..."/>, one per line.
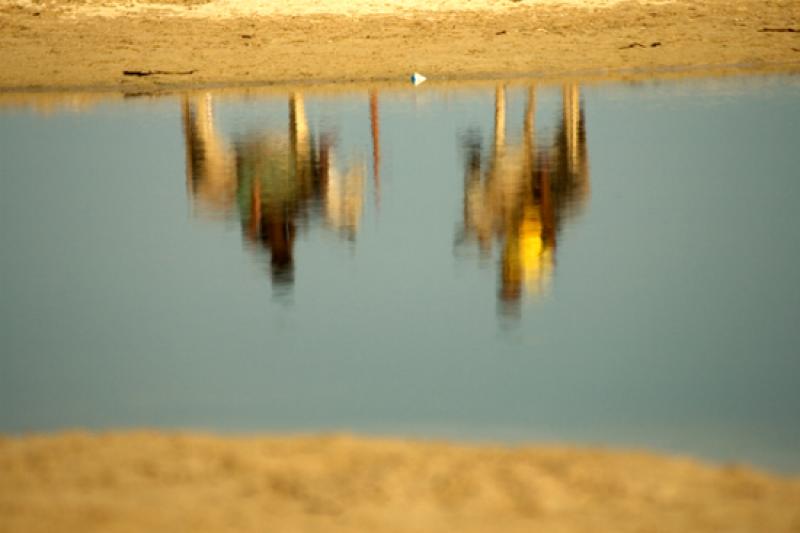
<point x="88" y="44"/>
<point x="147" y="481"/>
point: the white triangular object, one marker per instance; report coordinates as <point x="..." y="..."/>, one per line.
<point x="417" y="78"/>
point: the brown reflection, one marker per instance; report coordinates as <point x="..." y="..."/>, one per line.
<point x="210" y="161"/>
<point x="275" y="180"/>
<point x="520" y="197"/>
<point x="374" y="120"/>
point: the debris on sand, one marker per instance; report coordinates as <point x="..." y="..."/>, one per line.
<point x="142" y="73"/>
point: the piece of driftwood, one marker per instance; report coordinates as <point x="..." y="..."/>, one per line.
<point x="640" y="45"/>
<point x="141" y="73"/>
<point x="779" y="30"/>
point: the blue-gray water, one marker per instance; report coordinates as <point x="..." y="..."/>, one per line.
<point x="612" y="264"/>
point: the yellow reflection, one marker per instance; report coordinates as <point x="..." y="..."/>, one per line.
<point x="272" y="179"/>
<point x="520" y="198"/>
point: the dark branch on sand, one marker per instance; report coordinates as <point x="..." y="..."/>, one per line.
<point x="141" y="73"/>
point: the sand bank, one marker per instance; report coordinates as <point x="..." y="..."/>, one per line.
<point x="147" y="481"/>
<point x="61" y="44"/>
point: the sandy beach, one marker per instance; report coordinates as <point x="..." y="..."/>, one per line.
<point x="148" y="481"/>
<point x="171" y="481"/>
<point x="89" y="44"/>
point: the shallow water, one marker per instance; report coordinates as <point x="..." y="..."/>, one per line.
<point x="608" y="264"/>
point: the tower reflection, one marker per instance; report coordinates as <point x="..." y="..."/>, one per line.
<point x="522" y="195"/>
<point x="275" y="180"/>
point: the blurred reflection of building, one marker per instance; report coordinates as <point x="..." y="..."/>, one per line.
<point x="522" y="195"/>
<point x="274" y="180"/>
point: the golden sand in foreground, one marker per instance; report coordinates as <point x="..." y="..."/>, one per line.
<point x="148" y="481"/>
<point x="67" y="44"/>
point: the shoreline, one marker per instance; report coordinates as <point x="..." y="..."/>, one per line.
<point x="592" y="77"/>
<point x="59" y="46"/>
<point x="49" y="100"/>
<point x="154" y="480"/>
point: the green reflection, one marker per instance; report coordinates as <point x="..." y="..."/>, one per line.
<point x="274" y="180"/>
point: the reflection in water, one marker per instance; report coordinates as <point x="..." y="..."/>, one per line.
<point x="696" y="353"/>
<point x="521" y="196"/>
<point x="374" y="121"/>
<point x="275" y="180"/>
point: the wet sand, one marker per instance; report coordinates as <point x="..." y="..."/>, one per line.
<point x="148" y="481"/>
<point x="90" y="43"/>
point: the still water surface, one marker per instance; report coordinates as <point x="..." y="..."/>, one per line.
<point x="612" y="264"/>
